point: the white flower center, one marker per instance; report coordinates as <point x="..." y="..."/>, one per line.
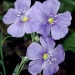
<point x="49" y="58"/>
<point x="52" y="20"/>
<point x="22" y="16"/>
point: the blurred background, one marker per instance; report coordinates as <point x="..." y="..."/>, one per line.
<point x="13" y="48"/>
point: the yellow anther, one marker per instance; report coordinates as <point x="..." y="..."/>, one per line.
<point x="51" y="20"/>
<point x="45" y="56"/>
<point x="24" y="19"/>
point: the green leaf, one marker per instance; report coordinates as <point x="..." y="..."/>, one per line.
<point x="67" y="5"/>
<point x="68" y="2"/>
<point x="7" y="5"/>
<point x="1" y="53"/>
<point x="0" y="62"/>
<point x="0" y="42"/>
<point x="69" y="43"/>
<point x="1" y="17"/>
<point x="14" y="73"/>
<point x="1" y="73"/>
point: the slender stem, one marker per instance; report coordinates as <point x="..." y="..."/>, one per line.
<point x="5" y="39"/>
<point x="1" y="73"/>
<point x="3" y="66"/>
<point x="19" y="67"/>
<point x="40" y="74"/>
<point x="33" y="36"/>
<point x="22" y="66"/>
<point x="0" y="62"/>
<point x="23" y="62"/>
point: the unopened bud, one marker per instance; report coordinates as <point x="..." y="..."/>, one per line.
<point x="37" y="38"/>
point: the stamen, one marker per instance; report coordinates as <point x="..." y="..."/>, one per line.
<point x="49" y="58"/>
<point x="51" y="55"/>
<point x="19" y="12"/>
<point x="51" y="16"/>
<point x="55" y="15"/>
<point x="50" y="62"/>
<point x="53" y="59"/>
<point x="55" y="21"/>
<point x="23" y="11"/>
<point x="18" y="15"/>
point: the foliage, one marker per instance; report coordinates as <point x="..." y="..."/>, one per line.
<point x="69" y="43"/>
<point x="68" y="5"/>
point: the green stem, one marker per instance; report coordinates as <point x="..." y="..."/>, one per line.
<point x="19" y="67"/>
<point x="33" y="37"/>
<point x="3" y="66"/>
<point x="1" y="73"/>
<point x="40" y="74"/>
<point x="23" y="62"/>
<point x="5" y="39"/>
<point x="0" y="62"/>
<point x="22" y="66"/>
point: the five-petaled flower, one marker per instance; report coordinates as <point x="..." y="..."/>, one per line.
<point x="48" y="22"/>
<point x="45" y="56"/>
<point x="19" y="18"/>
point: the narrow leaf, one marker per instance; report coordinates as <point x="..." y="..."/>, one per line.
<point x="0" y="42"/>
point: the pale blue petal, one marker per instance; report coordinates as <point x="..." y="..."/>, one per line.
<point x="35" y="67"/>
<point x="22" y="5"/>
<point x="48" y="43"/>
<point x="50" y="69"/>
<point x="51" y="7"/>
<point x="10" y="17"/>
<point x="64" y="19"/>
<point x="43" y="29"/>
<point x="28" y="27"/>
<point x="34" y="51"/>
<point x="58" y="32"/>
<point x="59" y="54"/>
<point x="40" y="16"/>
<point x="16" y="29"/>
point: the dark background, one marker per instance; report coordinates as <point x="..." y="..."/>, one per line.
<point x="13" y="48"/>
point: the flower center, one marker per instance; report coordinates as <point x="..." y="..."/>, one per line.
<point x="45" y="56"/>
<point x="24" y="19"/>
<point x="51" y="20"/>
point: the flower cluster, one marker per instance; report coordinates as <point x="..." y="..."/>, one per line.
<point x="19" y="18"/>
<point x="48" y="22"/>
<point x="45" y="56"/>
<point x="43" y="19"/>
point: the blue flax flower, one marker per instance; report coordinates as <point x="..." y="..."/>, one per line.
<point x="47" y="21"/>
<point x="19" y="18"/>
<point x="45" y="56"/>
